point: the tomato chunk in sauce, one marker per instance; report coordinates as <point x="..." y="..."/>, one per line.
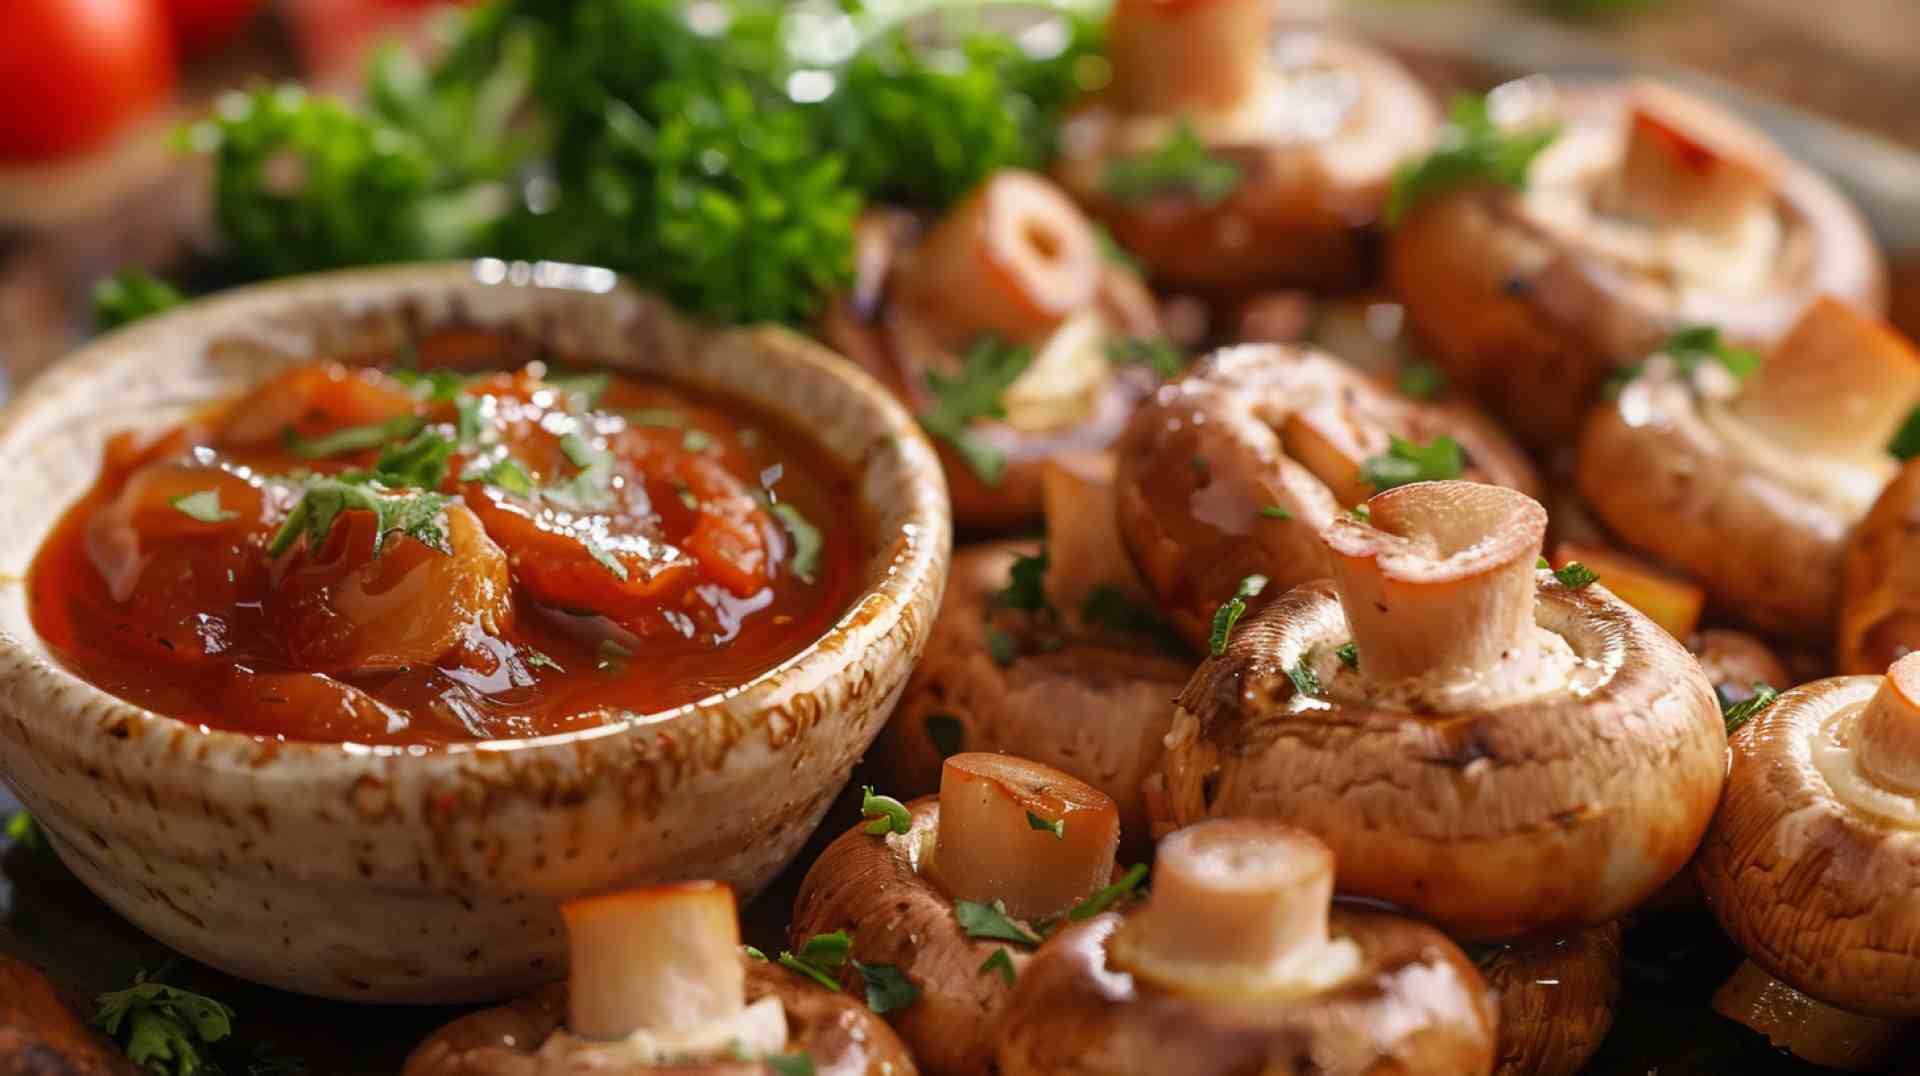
<point x="394" y="556"/>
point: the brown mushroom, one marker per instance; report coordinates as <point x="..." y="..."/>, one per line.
<point x="1651" y="211"/>
<point x="659" y="983"/>
<point x="1557" y="996"/>
<point x="1304" y="133"/>
<point x="1751" y="487"/>
<point x="1499" y="752"/>
<point x="1084" y="683"/>
<point x="41" y="1036"/>
<point x="1880" y="580"/>
<point x="1015" y="261"/>
<point x="1235" y="469"/>
<point x="952" y="902"/>
<point x="1238" y="963"/>
<point x="1813" y="867"/>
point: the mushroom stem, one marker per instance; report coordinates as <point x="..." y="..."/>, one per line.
<point x="1439" y="582"/>
<point x="1021" y="833"/>
<point x="665" y="959"/>
<point x="1689" y="163"/>
<point x="1238" y="905"/>
<point x="1085" y="552"/>
<point x="1811" y="1029"/>
<point x="1181" y="56"/>
<point x="1841" y="383"/>
<point x="1887" y="735"/>
<point x="1013" y="259"/>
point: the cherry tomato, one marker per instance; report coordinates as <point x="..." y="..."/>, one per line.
<point x="72" y="72"/>
<point x="204" y="26"/>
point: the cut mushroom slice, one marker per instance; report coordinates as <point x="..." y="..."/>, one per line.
<point x="1813" y="864"/>
<point x="1237" y="963"/>
<point x="1494" y="794"/>
<point x="962" y="949"/>
<point x="1880" y="581"/>
<point x="1531" y="298"/>
<point x="1752" y="488"/>
<point x="1234" y="470"/>
<point x="1557" y="996"/>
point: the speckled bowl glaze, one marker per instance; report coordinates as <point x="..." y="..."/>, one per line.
<point x="417" y="875"/>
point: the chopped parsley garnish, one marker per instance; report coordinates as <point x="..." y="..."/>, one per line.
<point x="354" y="438"/>
<point x="696" y="441"/>
<point x="1406" y="462"/>
<point x="129" y="295"/>
<point x="433" y="386"/>
<point x="1182" y="165"/>
<point x="1349" y="656"/>
<point x="162" y="1028"/>
<point x="807" y="542"/>
<point x="589" y="490"/>
<point x="1471" y="149"/>
<point x="419" y="462"/>
<point x="818" y="957"/>
<point x="1113" y="252"/>
<point x="203" y="506"/>
<point x="1274" y="511"/>
<point x="1575" y="576"/>
<point x="612" y="656"/>
<point x="992" y="921"/>
<point x="1361" y="512"/>
<point x="537" y="659"/>
<point x="889" y="815"/>
<point x="1026" y="588"/>
<point x="506" y="474"/>
<point x="583" y="390"/>
<point x="790" y="1064"/>
<point x="1001" y="964"/>
<point x="991" y="367"/>
<point x="1110" y="607"/>
<point x="1422" y="381"/>
<point x="471" y="426"/>
<point x="888" y="988"/>
<point x="1230" y="612"/>
<point x="1689" y="349"/>
<point x="1739" y="713"/>
<point x="1108" y="895"/>
<point x="417" y="514"/>
<point x="1057" y="826"/>
<point x="25" y="833"/>
<point x="659" y="417"/>
<point x="947" y="734"/>
<point x="1000" y="646"/>
<point x="1305" y="680"/>
<point x="1152" y="352"/>
<point x="754" y="953"/>
<point x="1906" y="441"/>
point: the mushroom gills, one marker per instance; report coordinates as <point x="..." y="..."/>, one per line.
<point x="1238" y="911"/>
<point x="1807" y="1027"/>
<point x="1027" y="836"/>
<point x="656" y="975"/>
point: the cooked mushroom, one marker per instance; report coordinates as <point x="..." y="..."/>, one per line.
<point x="951" y="903"/>
<point x="1229" y="160"/>
<point x="1813" y="867"/>
<point x="41" y="1036"/>
<point x="1556" y="998"/>
<point x="1480" y="743"/>
<point x="1880" y="580"/>
<point x="1652" y="210"/>
<point x="1238" y="963"/>
<point x="1751" y="486"/>
<point x="1234" y="470"/>
<point x="659" y="981"/>
<point x="1014" y="265"/>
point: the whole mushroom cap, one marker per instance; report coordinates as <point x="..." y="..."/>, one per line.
<point x="1557" y="996"/>
<point x="1235" y="469"/>
<point x="840" y="1034"/>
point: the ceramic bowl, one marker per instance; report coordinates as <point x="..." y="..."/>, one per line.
<point x="432" y="875"/>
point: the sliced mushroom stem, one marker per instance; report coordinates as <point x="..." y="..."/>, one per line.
<point x="1841" y="383"/>
<point x="1809" y="1028"/>
<point x="1021" y="833"/>
<point x="1178" y="56"/>
<point x="1689" y="163"/>
<point x="1333" y="448"/>
<point x="1085" y="552"/>
<point x="1013" y="259"/>
<point x="1237" y="904"/>
<point x="1440" y="579"/>
<point x="664" y="959"/>
<point x="1887" y="735"/>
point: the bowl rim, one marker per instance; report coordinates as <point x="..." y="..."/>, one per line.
<point x="924" y="506"/>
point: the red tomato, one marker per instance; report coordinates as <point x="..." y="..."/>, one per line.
<point x="203" y="26"/>
<point x="72" y="72"/>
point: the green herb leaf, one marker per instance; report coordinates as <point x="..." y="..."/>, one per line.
<point x="1739" y="713"/>
<point x="1230" y="612"/>
<point x="1108" y="895"/>
<point x="754" y="953"/>
<point x="1026" y="588"/>
<point x="888" y="988"/>
<point x="25" y="833"/>
<point x="129" y="295"/>
<point x="164" y="1029"/>
<point x="794" y="964"/>
<point x="203" y="506"/>
<point x="537" y="659"/>
<point x="1001" y="964"/>
<point x="421" y="516"/>
<point x="999" y="646"/>
<point x="790" y="1064"/>
<point x="1274" y="511"/>
<point x="419" y="462"/>
<point x="433" y="386"/>
<point x="354" y="438"/>
<point x="612" y="656"/>
<point x="1153" y="352"/>
<point x="1057" y="826"/>
<point x="1422" y="381"/>
<point x="696" y="441"/>
<point x="1349" y="656"/>
<point x="1361" y="512"/>
<point x="1906" y="441"/>
<point x="947" y="734"/>
<point x="1575" y="576"/>
<point x="1110" y="607"/>
<point x="1692" y="346"/>
<point x="807" y="541"/>
<point x="889" y="815"/>
<point x="1305" y="680"/>
<point x="1182" y="166"/>
<point x="818" y="956"/>
<point x="584" y="390"/>
<point x="1406" y="462"/>
<point x="1470" y="149"/>
<point x="990" y="367"/>
<point x="991" y="921"/>
<point x="507" y="474"/>
<point x="657" y="417"/>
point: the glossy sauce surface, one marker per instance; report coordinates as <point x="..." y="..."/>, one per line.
<point x="346" y="554"/>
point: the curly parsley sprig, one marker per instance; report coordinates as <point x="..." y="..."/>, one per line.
<point x="1471" y="149"/>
